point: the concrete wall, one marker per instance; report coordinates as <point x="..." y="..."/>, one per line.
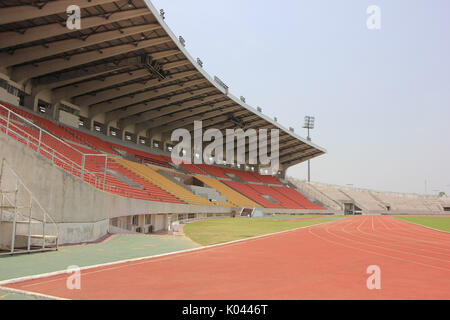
<point x="81" y="210"/>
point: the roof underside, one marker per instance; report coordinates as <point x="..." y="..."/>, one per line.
<point x="108" y="66"/>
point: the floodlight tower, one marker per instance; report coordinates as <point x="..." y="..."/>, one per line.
<point x="309" y="124"/>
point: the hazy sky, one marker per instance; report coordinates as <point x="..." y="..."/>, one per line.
<point x="381" y="98"/>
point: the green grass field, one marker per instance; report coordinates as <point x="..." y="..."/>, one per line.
<point x="440" y="223"/>
<point x="215" y="231"/>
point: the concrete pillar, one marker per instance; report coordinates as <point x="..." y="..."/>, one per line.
<point x="30" y="101"/>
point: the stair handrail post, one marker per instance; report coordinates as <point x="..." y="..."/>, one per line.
<point x="29" y="223"/>
<point x="40" y="141"/>
<point x="1" y="170"/>
<point x="13" y="233"/>
<point x="44" y="221"/>
<point x="8" y="121"/>
<point x="83" y="160"/>
<point x="2" y="196"/>
<point x="104" y="172"/>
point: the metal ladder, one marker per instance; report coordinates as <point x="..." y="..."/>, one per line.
<point x="27" y="222"/>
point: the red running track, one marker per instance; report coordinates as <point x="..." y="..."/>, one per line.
<point x="327" y="261"/>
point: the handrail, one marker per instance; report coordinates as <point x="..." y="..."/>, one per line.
<point x="28" y="190"/>
<point x="32" y="199"/>
<point x="56" y="156"/>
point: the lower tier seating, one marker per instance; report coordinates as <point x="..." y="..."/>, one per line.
<point x="162" y="182"/>
<point x="251" y="193"/>
<point x="232" y="196"/>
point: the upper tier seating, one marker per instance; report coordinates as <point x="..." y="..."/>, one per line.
<point x="213" y="170"/>
<point x="154" y="191"/>
<point x="251" y="193"/>
<point x="297" y="197"/>
<point x="145" y="157"/>
<point x="232" y="196"/>
<point x="80" y="149"/>
<point x="154" y="177"/>
<point x="266" y="178"/>
<point x="243" y="175"/>
<point x="285" y="201"/>
<point x="91" y="140"/>
<point x="192" y="168"/>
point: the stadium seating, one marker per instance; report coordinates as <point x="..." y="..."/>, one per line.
<point x="83" y="148"/>
<point x="128" y="169"/>
<point x="266" y="178"/>
<point x="145" y="157"/>
<point x="192" y="168"/>
<point x="297" y="197"/>
<point x="213" y="170"/>
<point x="162" y="182"/>
<point x="243" y="175"/>
<point x="285" y="201"/>
<point x="90" y="140"/>
<point x="232" y="196"/>
<point x="251" y="193"/>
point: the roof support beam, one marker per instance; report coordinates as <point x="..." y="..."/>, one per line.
<point x="300" y="158"/>
<point x="28" y="54"/>
<point x="98" y="84"/>
<point x="131" y="100"/>
<point x="295" y="149"/>
<point x="22" y="73"/>
<point x="21" y="13"/>
<point x="15" y="38"/>
<point x="142" y="107"/>
<point x="292" y="156"/>
<point x="110" y="94"/>
<point x="211" y="122"/>
<point x="64" y="82"/>
<point x="89" y="70"/>
<point x="226" y="123"/>
<point x="195" y="116"/>
<point x="282" y="141"/>
<point x="147" y="117"/>
<point x="68" y="92"/>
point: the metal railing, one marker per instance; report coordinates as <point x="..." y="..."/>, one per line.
<point x="23" y="208"/>
<point x="44" y="143"/>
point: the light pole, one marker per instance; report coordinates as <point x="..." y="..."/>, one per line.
<point x="309" y="124"/>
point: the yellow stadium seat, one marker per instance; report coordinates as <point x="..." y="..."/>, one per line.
<point x="232" y="196"/>
<point x="162" y="182"/>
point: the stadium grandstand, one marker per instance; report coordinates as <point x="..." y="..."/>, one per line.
<point x="86" y="116"/>
<point x="351" y="200"/>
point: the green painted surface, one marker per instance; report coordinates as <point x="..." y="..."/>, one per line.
<point x="13" y="296"/>
<point x="117" y="248"/>
<point x="440" y="223"/>
<point x="215" y="231"/>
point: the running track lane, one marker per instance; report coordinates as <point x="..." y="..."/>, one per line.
<point x="326" y="261"/>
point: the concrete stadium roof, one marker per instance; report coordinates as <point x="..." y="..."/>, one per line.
<point x="126" y="64"/>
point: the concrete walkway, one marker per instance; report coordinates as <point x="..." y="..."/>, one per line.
<point x="115" y="248"/>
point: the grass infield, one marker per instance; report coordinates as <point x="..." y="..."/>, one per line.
<point x="439" y="223"/>
<point x="216" y="231"/>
